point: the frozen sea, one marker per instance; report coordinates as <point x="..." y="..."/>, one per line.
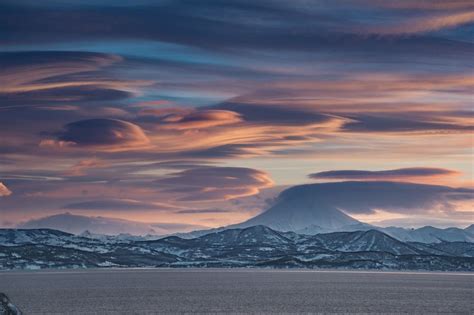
<point x="155" y="291"/>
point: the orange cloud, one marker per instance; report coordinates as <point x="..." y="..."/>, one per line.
<point x="183" y="119"/>
<point x="366" y="92"/>
<point x="4" y="191"/>
<point x="80" y="168"/>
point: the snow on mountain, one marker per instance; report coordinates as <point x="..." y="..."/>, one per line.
<point x="470" y="229"/>
<point x="256" y="246"/>
<point x="429" y="234"/>
<point x="253" y="235"/>
<point x="77" y="224"/>
<point x="11" y="237"/>
<point x="49" y="237"/>
<point x="299" y="208"/>
<point x="362" y="241"/>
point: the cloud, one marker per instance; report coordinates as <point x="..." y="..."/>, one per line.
<point x="4" y="191"/>
<point x="281" y="84"/>
<point x="179" y="227"/>
<point x="266" y="25"/>
<point x="422" y="24"/>
<point x="227" y="130"/>
<point x="357" y="197"/>
<point x="101" y="134"/>
<point x="425" y="4"/>
<point x="24" y="71"/>
<point x="383" y="123"/>
<point x="403" y="174"/>
<point x="197" y="211"/>
<point x="275" y="115"/>
<point x="80" y="168"/>
<point x="55" y="77"/>
<point x="184" y="119"/>
<point x="214" y="183"/>
<point x="117" y="204"/>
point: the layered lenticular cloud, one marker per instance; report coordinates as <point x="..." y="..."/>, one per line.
<point x="106" y="134"/>
<point x="211" y="105"/>
<point x="402" y="174"/>
<point x="359" y="197"/>
<point x="52" y="77"/>
<point x="215" y="183"/>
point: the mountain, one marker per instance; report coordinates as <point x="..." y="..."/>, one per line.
<point x="99" y="225"/>
<point x="11" y="237"/>
<point x="299" y="208"/>
<point x="365" y="241"/>
<point x="429" y="234"/>
<point x="470" y="229"/>
<point x="255" y="246"/>
<point x="462" y="249"/>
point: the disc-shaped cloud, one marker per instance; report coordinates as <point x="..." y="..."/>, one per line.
<point x="396" y="174"/>
<point x="367" y="197"/>
<point x="107" y="134"/>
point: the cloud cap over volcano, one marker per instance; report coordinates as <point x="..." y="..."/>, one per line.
<point x="328" y="205"/>
<point x="401" y="174"/>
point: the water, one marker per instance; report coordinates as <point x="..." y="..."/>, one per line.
<point x="152" y="291"/>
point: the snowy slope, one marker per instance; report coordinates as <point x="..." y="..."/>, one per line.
<point x="297" y="209"/>
<point x="429" y="234"/>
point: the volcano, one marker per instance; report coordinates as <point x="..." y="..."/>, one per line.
<point x="301" y="209"/>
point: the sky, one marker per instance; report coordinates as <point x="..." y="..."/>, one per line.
<point x="201" y="112"/>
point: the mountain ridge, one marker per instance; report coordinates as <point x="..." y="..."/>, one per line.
<point x="256" y="246"/>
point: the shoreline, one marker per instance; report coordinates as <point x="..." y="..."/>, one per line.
<point x="237" y="269"/>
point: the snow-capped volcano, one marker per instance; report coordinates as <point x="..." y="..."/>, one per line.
<point x="299" y="208"/>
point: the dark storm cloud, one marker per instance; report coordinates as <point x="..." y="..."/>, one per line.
<point x="397" y="174"/>
<point x="366" y="197"/>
